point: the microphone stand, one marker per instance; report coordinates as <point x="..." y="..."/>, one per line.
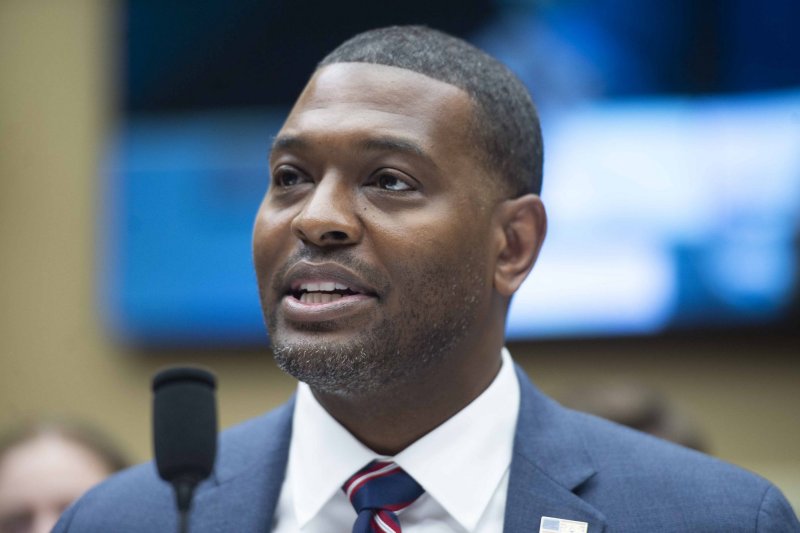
<point x="184" y="432"/>
<point x="184" y="490"/>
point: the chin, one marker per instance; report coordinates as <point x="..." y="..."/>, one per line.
<point x="357" y="365"/>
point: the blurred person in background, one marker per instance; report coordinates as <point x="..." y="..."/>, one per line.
<point x="639" y="407"/>
<point x="44" y="467"/>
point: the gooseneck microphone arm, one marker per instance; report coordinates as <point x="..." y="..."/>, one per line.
<point x="184" y="432"/>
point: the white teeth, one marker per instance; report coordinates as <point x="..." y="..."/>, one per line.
<point x="325" y="286"/>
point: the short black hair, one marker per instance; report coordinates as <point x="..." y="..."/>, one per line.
<point x="506" y="126"/>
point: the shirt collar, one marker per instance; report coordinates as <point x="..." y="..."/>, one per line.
<point x="322" y="456"/>
<point x="456" y="463"/>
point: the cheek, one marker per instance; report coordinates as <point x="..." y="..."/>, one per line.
<point x="405" y="237"/>
<point x="432" y="240"/>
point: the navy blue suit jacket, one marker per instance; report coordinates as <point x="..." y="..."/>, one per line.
<point x="565" y="465"/>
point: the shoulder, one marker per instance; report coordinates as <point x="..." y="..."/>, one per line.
<point x="138" y="500"/>
<point x="625" y="456"/>
<point x="639" y="482"/>
<point x="136" y="495"/>
<point x="652" y="480"/>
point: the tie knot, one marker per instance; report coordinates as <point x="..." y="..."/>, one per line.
<point x="380" y="489"/>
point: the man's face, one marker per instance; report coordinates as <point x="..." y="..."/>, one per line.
<point x="372" y="246"/>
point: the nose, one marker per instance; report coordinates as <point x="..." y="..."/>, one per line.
<point x="328" y="217"/>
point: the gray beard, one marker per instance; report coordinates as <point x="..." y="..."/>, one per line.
<point x="383" y="358"/>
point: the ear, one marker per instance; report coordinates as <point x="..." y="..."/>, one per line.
<point x="521" y="226"/>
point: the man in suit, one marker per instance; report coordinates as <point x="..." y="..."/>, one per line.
<point x="402" y="216"/>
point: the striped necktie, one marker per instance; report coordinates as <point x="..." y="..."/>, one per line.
<point x="377" y="492"/>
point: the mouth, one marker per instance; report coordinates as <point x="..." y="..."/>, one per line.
<point x="321" y="292"/>
<point x="314" y="292"/>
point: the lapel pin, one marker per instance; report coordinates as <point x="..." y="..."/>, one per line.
<point x="560" y="525"/>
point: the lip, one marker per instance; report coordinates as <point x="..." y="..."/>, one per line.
<point x="348" y="305"/>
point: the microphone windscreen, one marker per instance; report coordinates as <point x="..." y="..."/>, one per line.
<point x="184" y="423"/>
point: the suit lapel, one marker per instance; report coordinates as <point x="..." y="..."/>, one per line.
<point x="249" y="475"/>
<point x="550" y="462"/>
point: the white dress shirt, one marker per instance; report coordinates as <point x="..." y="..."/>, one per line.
<point x="463" y="465"/>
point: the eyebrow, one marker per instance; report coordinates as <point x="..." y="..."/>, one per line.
<point x="288" y="142"/>
<point x="393" y="144"/>
<point x="385" y="143"/>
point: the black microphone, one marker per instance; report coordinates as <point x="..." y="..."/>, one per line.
<point x="184" y="431"/>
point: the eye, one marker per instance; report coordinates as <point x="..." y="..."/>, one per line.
<point x="392" y="181"/>
<point x="286" y="176"/>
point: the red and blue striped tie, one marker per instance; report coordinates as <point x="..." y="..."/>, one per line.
<point x="378" y="491"/>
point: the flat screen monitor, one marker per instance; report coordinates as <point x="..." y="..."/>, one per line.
<point x="664" y="215"/>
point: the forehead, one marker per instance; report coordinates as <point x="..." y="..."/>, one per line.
<point x="361" y="99"/>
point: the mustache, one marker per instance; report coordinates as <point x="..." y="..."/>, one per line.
<point x="367" y="273"/>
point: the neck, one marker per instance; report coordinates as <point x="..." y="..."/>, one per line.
<point x="390" y="420"/>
